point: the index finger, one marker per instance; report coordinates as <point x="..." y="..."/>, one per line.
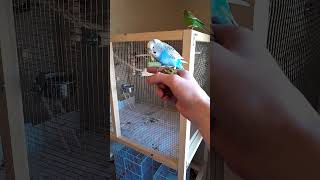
<point x="152" y="70"/>
<point x="168" y="80"/>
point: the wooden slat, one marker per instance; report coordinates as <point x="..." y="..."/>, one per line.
<point x="11" y="113"/>
<point x="114" y="97"/>
<point x="172" y="163"/>
<point x="201" y="37"/>
<point x="164" y="35"/>
<point x="188" y="52"/>
<point x="184" y="136"/>
<point x="194" y="144"/>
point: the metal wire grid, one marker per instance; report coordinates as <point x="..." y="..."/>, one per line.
<point x="201" y="71"/>
<point x="294" y="42"/>
<point x="156" y="128"/>
<point x="312" y="75"/>
<point x="201" y="65"/>
<point x="148" y="121"/>
<point x="64" y="110"/>
<point x="287" y="38"/>
<point x="128" y="62"/>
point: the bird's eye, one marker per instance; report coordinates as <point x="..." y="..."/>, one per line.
<point x="155" y="52"/>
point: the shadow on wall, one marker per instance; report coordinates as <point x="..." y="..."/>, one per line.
<point x="243" y="14"/>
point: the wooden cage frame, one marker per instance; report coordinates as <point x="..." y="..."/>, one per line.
<point x="187" y="146"/>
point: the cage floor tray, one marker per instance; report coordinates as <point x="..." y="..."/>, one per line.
<point x="55" y="154"/>
<point x="152" y="127"/>
<point x="54" y="162"/>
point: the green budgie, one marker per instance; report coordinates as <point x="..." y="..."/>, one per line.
<point x="193" y="22"/>
<point x="221" y="13"/>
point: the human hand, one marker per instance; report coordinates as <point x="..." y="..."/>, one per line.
<point x="190" y="99"/>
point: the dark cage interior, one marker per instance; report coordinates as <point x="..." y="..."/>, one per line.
<point x="294" y="41"/>
<point x="64" y="80"/>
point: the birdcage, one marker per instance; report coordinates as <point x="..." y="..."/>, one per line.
<point x="63" y="81"/>
<point x="140" y="119"/>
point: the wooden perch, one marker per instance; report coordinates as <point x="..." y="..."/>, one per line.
<point x="72" y="18"/>
<point x="130" y="66"/>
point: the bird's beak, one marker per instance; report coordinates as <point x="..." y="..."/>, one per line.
<point x="150" y="44"/>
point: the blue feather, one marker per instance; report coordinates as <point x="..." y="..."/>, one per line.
<point x="166" y="60"/>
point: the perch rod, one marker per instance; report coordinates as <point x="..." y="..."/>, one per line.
<point x="70" y="17"/>
<point x="130" y="66"/>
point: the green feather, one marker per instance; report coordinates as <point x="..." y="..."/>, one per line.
<point x="151" y="63"/>
<point x="191" y="21"/>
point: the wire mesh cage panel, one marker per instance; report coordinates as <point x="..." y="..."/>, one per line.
<point x="294" y="42"/>
<point x="201" y="66"/>
<point x="201" y="71"/>
<point x="141" y="112"/>
<point x="288" y="43"/>
<point x="141" y="120"/>
<point x="64" y="81"/>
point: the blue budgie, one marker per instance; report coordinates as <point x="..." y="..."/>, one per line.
<point x="221" y="13"/>
<point x="165" y="54"/>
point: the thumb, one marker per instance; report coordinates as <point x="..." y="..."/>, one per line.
<point x="184" y="74"/>
<point x="159" y="78"/>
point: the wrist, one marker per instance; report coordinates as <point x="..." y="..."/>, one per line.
<point x="201" y="108"/>
<point x="202" y="119"/>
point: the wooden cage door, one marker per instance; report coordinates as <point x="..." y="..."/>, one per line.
<point x="188" y="52"/>
<point x="114" y="98"/>
<point x="11" y="109"/>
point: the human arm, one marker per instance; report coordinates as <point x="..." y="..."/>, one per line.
<point x="190" y="99"/>
<point x="264" y="128"/>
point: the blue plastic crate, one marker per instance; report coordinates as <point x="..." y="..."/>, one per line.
<point x="132" y="165"/>
<point x="120" y="172"/>
<point x="121" y="105"/>
<point x="138" y="163"/>
<point x="133" y="176"/>
<point x="119" y="153"/>
<point x="166" y="173"/>
<point x="116" y="147"/>
<point x="155" y="166"/>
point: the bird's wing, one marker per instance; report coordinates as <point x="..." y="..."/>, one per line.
<point x="196" y="19"/>
<point x="172" y="52"/>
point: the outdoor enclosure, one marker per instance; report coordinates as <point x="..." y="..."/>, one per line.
<point x="140" y="119"/>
